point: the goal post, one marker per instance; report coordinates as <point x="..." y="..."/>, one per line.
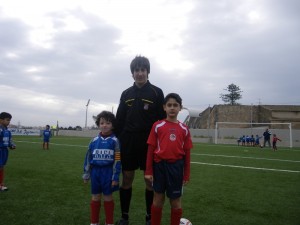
<point x="233" y="130"/>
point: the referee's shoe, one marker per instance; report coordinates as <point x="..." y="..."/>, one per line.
<point x="123" y="222"/>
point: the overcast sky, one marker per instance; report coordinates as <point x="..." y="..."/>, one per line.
<point x="55" y="55"/>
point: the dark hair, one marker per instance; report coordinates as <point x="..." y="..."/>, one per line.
<point x="140" y="62"/>
<point x="175" y="96"/>
<point x="107" y="116"/>
<point x="5" y="115"/>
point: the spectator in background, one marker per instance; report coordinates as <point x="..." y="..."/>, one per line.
<point x="267" y="137"/>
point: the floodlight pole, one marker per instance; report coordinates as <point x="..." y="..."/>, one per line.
<point x="251" y="116"/>
<point x="87" y="105"/>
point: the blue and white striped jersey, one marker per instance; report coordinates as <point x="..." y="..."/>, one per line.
<point x="103" y="152"/>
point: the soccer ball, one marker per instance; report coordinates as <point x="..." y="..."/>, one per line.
<point x="184" y="221"/>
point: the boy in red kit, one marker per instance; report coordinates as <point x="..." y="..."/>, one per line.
<point x="275" y="139"/>
<point x="168" y="160"/>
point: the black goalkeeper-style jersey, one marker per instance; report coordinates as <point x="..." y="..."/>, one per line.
<point x="139" y="108"/>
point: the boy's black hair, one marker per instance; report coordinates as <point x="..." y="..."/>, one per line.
<point x="140" y="62"/>
<point x="5" y="115"/>
<point x="175" y="96"/>
<point x="107" y="116"/>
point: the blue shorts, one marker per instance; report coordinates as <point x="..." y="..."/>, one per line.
<point x="168" y="178"/>
<point x="101" y="178"/>
<point x="3" y="156"/>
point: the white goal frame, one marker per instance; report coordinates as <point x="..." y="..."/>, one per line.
<point x="250" y="124"/>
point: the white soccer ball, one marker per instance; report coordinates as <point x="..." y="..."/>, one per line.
<point x="184" y="221"/>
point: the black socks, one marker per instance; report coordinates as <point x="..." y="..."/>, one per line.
<point x="125" y="198"/>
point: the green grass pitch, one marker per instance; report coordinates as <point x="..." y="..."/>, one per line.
<point x="230" y="185"/>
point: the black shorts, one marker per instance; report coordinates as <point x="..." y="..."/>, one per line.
<point x="168" y="178"/>
<point x="133" y="150"/>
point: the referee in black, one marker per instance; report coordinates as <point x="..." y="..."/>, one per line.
<point x="140" y="106"/>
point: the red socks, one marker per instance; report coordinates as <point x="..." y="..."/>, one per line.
<point x="109" y="212"/>
<point x="1" y="176"/>
<point x="156" y="214"/>
<point x="175" y="216"/>
<point x="95" y="211"/>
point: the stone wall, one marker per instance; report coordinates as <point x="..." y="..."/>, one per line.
<point x="225" y="136"/>
<point x="246" y="114"/>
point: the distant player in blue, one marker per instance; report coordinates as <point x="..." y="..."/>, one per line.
<point x="103" y="165"/>
<point x="239" y="140"/>
<point x="247" y="140"/>
<point x="257" y="142"/>
<point x="5" y="144"/>
<point x="243" y="140"/>
<point x="252" y="140"/>
<point x="46" y="136"/>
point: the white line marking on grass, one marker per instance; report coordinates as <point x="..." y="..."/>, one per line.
<point x="51" y="143"/>
<point x="243" y="157"/>
<point x="85" y="146"/>
<point x="247" y="167"/>
<point x="294" y="149"/>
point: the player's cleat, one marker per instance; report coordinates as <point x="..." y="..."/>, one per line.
<point x="123" y="222"/>
<point x="148" y="222"/>
<point x="3" y="188"/>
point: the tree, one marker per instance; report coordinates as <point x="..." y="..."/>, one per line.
<point x="233" y="95"/>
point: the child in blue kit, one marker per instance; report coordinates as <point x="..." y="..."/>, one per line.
<point x="46" y="136"/>
<point x="5" y="144"/>
<point x="103" y="166"/>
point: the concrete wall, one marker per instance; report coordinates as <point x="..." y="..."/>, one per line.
<point x="246" y="114"/>
<point x="76" y="133"/>
<point x="225" y="136"/>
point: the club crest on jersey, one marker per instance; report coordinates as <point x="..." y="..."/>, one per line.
<point x="172" y="137"/>
<point x="146" y="106"/>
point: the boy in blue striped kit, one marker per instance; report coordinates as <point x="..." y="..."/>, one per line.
<point x="103" y="166"/>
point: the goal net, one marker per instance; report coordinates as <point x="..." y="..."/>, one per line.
<point x="230" y="132"/>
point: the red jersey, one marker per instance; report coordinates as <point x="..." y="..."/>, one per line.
<point x="275" y="139"/>
<point x="171" y="140"/>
